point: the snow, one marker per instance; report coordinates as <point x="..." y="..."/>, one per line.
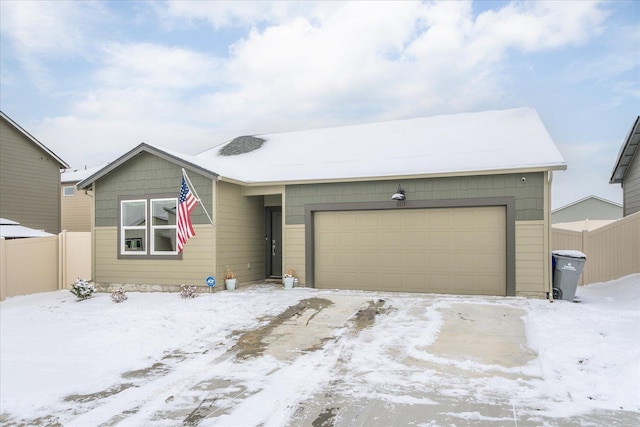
<point x="488" y="141"/>
<point x="54" y="348"/>
<point x="483" y="141"/>
<point x="10" y="229"/>
<point x="571" y="253"/>
<point x="76" y="175"/>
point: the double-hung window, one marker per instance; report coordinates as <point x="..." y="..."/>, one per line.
<point x="148" y="227"/>
<point x="164" y="226"/>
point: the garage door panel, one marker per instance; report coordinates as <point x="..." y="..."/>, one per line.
<point x="346" y="238"/>
<point x="439" y="239"/>
<point x="443" y="250"/>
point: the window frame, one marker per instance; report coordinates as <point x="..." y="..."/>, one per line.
<point x="64" y="190"/>
<point x="152" y="228"/>
<point x="149" y="239"/>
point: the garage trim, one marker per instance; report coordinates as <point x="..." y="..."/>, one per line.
<point x="507" y="202"/>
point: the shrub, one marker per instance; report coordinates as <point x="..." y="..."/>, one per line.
<point x="82" y="289"/>
<point x="188" y="291"/>
<point x="119" y="296"/>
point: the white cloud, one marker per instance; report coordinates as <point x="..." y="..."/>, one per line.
<point x="223" y="14"/>
<point x="164" y="68"/>
<point x="41" y="31"/>
<point x="298" y="65"/>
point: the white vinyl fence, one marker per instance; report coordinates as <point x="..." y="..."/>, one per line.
<point x="42" y="264"/>
<point x="612" y="251"/>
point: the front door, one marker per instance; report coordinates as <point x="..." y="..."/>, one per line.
<point x="273" y="242"/>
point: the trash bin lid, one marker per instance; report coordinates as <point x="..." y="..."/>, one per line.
<point x="569" y="253"/>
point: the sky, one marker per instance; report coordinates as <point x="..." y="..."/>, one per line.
<point x="576" y="360"/>
<point x="93" y="79"/>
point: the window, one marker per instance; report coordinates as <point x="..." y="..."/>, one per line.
<point x="148" y="227"/>
<point x="68" y="190"/>
<point x="164" y="226"/>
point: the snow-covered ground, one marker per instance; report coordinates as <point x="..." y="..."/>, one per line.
<point x="59" y="357"/>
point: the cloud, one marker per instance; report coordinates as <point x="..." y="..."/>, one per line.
<point x="43" y="31"/>
<point x="225" y="14"/>
<point x="291" y="65"/>
<point x="146" y="65"/>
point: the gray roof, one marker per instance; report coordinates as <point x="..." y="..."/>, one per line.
<point x="30" y="137"/>
<point x="627" y="152"/>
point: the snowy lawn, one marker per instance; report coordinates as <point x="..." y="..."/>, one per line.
<point x="67" y="361"/>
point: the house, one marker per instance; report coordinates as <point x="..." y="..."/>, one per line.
<point x="75" y="205"/>
<point x="13" y="230"/>
<point x="470" y="212"/>
<point x="29" y="179"/>
<point x="586" y="214"/>
<point x="626" y="171"/>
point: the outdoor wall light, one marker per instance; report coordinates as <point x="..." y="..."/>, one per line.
<point x="399" y="194"/>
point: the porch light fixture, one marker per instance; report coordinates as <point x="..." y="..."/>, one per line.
<point x="399" y="194"/>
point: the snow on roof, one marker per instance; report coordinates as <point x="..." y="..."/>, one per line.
<point x="467" y="142"/>
<point x="76" y="175"/>
<point x="11" y="230"/>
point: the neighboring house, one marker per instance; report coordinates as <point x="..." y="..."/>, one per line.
<point x="586" y="214"/>
<point x="626" y="171"/>
<point x="75" y="204"/>
<point x="476" y="218"/>
<point x="13" y="230"/>
<point x="29" y="179"/>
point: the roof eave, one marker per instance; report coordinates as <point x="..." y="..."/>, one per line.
<point x="143" y="147"/>
<point x="396" y="177"/>
<point x="62" y="163"/>
<point x="626" y="154"/>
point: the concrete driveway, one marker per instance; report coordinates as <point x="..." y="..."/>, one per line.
<point x="335" y="358"/>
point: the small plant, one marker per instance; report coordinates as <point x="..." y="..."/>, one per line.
<point x="119" y="296"/>
<point x="291" y="273"/>
<point x="229" y="274"/>
<point x="188" y="291"/>
<point x="82" y="289"/>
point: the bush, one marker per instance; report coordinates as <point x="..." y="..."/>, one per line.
<point x="119" y="296"/>
<point x="82" y="289"/>
<point x="188" y="291"/>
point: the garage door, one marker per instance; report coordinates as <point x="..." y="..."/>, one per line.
<point x="458" y="250"/>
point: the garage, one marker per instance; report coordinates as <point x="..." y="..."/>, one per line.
<point x="452" y="250"/>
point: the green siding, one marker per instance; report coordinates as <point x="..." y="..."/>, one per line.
<point x="631" y="186"/>
<point x="145" y="175"/>
<point x="529" y="195"/>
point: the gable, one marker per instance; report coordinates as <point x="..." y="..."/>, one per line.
<point x="140" y="176"/>
<point x="592" y="208"/>
<point x="8" y="125"/>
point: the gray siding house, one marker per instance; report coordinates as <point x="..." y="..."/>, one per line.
<point x="29" y="179"/>
<point x="473" y="217"/>
<point x="626" y="171"/>
<point x="591" y="208"/>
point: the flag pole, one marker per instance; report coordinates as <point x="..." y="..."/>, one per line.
<point x="195" y="193"/>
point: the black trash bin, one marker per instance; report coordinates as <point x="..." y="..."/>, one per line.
<point x="567" y="268"/>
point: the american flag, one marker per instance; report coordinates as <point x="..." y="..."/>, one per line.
<point x="186" y="203"/>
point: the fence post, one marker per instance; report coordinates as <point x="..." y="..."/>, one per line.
<point x="3" y="269"/>
<point x="62" y="258"/>
<point x="585" y="245"/>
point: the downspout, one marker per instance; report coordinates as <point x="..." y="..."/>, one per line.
<point x="549" y="236"/>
